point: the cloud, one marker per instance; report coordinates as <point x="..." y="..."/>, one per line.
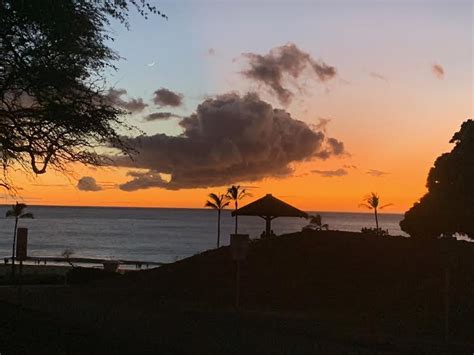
<point x="228" y="139"/>
<point x="164" y="97"/>
<point x="331" y="173"/>
<point x="273" y="68"/>
<point x="376" y="173"/>
<point x="332" y="147"/>
<point x="133" y="105"/>
<point x="88" y="183"/>
<point x="438" y="71"/>
<point x="161" y="116"/>
<point x="322" y="124"/>
<point x="350" y="166"/>
<point x="378" y="76"/>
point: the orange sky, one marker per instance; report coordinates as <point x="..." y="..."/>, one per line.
<point x="398" y="124"/>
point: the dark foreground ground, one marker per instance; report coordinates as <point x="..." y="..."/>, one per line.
<point x="313" y="293"/>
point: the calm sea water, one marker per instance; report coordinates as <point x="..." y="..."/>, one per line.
<point x="152" y="234"/>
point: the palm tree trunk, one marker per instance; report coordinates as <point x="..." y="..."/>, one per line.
<point x="13" y="248"/>
<point x="376" y="218"/>
<point x="236" y="217"/>
<point x="218" y="228"/>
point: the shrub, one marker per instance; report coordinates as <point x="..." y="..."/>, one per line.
<point x="375" y="232"/>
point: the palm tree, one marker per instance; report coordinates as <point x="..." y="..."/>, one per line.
<point x="235" y="193"/>
<point x="372" y="202"/>
<point x="17" y="211"/>
<point x="218" y="202"/>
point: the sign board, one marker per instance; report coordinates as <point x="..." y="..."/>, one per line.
<point x="239" y="244"/>
<point x="21" y="244"/>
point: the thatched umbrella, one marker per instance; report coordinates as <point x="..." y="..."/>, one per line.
<point x="269" y="208"/>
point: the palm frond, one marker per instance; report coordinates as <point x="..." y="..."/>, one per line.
<point x="16" y="210"/>
<point x="235" y="193"/>
<point x="27" y="215"/>
<point x="211" y="204"/>
<point x="217" y="201"/>
<point x="214" y="196"/>
<point x="20" y="206"/>
<point x="387" y="205"/>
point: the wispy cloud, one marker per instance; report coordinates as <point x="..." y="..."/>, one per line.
<point x="161" y="116"/>
<point x="331" y="173"/>
<point x="378" y="76"/>
<point x="377" y="173"/>
<point x="322" y="124"/>
<point x="438" y="71"/>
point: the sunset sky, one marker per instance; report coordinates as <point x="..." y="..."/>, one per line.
<point x="380" y="87"/>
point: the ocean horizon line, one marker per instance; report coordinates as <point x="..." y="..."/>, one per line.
<point x="196" y="208"/>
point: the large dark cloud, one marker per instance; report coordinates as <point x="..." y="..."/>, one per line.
<point x="88" y="183"/>
<point x="228" y="139"/>
<point x="281" y="62"/>
<point x="115" y="96"/>
<point x="164" y="97"/>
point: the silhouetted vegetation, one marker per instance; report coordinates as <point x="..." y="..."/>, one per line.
<point x="375" y="232"/>
<point x="316" y="224"/>
<point x="218" y="202"/>
<point x="372" y="202"/>
<point x="17" y="211"/>
<point x="53" y="108"/>
<point x="66" y="254"/>
<point x="235" y="193"/>
<point x="448" y="207"/>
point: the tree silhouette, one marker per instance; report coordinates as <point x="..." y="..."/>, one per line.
<point x="66" y="254"/>
<point x="236" y="193"/>
<point x="448" y="207"/>
<point x="218" y="202"/>
<point x="372" y="202"/>
<point x="53" y="107"/>
<point x="17" y="211"/>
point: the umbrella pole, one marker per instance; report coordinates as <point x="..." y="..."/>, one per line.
<point x="268" y="223"/>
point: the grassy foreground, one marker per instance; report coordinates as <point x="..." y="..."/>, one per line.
<point x="327" y="292"/>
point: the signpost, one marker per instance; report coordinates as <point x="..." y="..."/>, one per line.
<point x="238" y="247"/>
<point x="22" y="244"/>
<point x="21" y="254"/>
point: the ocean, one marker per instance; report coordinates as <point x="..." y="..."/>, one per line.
<point x="153" y="234"/>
